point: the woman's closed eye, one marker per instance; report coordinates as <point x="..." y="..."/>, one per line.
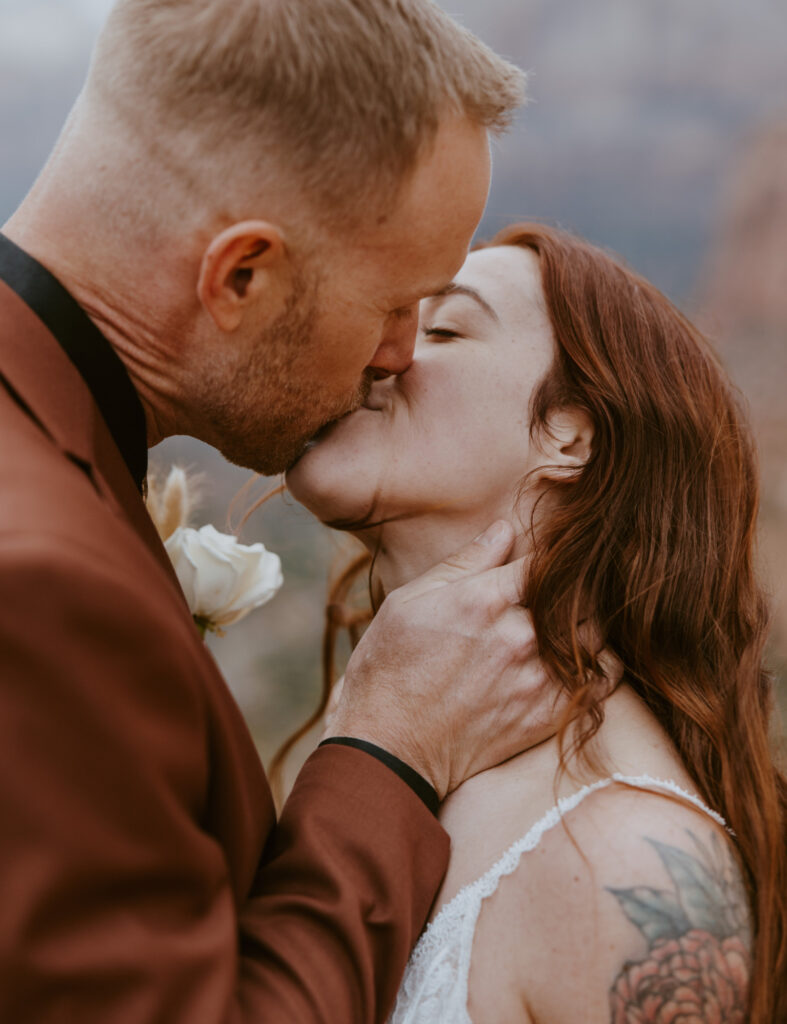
<point x="441" y="333"/>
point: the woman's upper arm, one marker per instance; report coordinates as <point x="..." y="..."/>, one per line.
<point x="636" y="913"/>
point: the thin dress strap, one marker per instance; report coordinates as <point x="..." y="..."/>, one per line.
<point x="434" y="987"/>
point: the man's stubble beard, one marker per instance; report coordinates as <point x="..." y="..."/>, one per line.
<point x="265" y="411"/>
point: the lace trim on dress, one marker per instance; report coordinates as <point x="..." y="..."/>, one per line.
<point x="434" y="987"/>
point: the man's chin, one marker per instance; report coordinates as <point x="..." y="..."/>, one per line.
<point x="265" y="459"/>
<point x="278" y="450"/>
<point x="319" y="436"/>
<point x="271" y="459"/>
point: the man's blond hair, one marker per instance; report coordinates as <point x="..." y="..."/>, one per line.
<point x="339" y="96"/>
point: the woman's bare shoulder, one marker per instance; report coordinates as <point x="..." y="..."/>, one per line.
<point x="632" y="898"/>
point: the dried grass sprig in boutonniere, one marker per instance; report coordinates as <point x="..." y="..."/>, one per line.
<point x="222" y="579"/>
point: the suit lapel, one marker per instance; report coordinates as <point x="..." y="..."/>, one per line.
<point x="114" y="481"/>
<point x="46" y="382"/>
<point x="43" y="378"/>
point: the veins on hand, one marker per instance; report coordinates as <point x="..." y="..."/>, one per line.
<point x="698" y="963"/>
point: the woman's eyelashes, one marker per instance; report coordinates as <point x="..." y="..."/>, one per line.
<point x="441" y="333"/>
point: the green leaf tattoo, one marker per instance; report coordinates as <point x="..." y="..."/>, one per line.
<point x="656" y="913"/>
<point x="698" y="962"/>
<point x="700" y="895"/>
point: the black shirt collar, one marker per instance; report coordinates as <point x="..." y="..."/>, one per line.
<point x="99" y="365"/>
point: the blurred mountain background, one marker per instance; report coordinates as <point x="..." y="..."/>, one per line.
<point x="656" y="128"/>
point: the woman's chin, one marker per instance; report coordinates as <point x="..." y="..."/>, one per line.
<point x="304" y="484"/>
<point x="325" y="488"/>
<point x="339" y="476"/>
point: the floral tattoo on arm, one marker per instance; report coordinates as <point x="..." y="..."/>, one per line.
<point x="698" y="964"/>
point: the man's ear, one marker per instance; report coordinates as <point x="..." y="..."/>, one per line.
<point x="241" y="264"/>
<point x="565" y="443"/>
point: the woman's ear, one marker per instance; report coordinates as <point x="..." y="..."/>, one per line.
<point x="565" y="444"/>
<point x="243" y="264"/>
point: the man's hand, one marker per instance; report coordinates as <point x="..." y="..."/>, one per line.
<point x="447" y="676"/>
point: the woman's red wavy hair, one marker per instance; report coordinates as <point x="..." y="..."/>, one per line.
<point x="656" y="536"/>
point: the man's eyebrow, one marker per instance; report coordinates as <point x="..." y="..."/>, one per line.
<point x="452" y="288"/>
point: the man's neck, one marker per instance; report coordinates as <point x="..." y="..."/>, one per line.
<point x="126" y="320"/>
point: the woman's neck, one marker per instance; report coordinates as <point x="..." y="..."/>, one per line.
<point x="406" y="548"/>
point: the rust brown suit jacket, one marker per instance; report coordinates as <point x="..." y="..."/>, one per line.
<point x="144" y="876"/>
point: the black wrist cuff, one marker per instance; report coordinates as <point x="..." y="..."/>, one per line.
<point x="416" y="782"/>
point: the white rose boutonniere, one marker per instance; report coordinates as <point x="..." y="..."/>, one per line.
<point x="222" y="579"/>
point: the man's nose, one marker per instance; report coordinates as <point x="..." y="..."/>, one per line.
<point x="395" y="352"/>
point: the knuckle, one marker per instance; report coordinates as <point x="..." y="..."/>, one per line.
<point x="458" y="561"/>
<point x="527" y="648"/>
<point x="518" y="635"/>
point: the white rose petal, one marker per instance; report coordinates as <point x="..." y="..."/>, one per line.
<point x="222" y="579"/>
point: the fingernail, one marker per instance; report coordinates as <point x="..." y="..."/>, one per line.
<point x="494" y="534"/>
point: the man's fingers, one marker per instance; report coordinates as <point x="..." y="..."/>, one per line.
<point x="506" y="583"/>
<point x="488" y="550"/>
<point x="590" y="635"/>
<point x="515" y="628"/>
<point x="612" y="668"/>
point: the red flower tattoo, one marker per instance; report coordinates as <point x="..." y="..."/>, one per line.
<point x="697" y="968"/>
<point x="695" y="979"/>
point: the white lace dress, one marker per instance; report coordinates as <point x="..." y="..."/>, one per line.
<point x="434" y="987"/>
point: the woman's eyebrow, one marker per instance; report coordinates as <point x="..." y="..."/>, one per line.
<point x="462" y="289"/>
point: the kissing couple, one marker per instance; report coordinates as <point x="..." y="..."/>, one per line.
<point x="546" y="792"/>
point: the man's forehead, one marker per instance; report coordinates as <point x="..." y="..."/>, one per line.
<point x="413" y="264"/>
<point x="423" y="237"/>
<point x="443" y="201"/>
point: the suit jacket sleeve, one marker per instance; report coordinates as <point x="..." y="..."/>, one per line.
<point x="117" y="902"/>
